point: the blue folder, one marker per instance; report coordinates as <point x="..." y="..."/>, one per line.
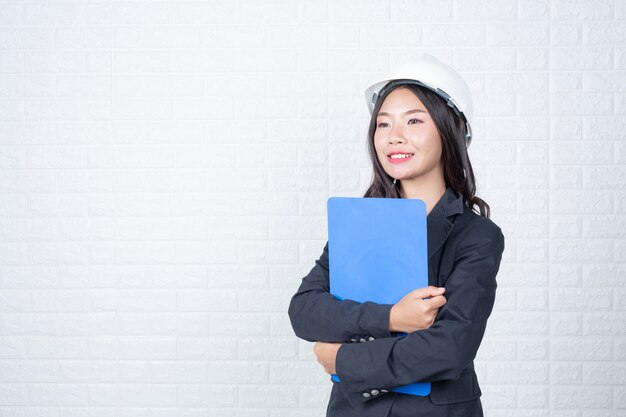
<point x="377" y="251"/>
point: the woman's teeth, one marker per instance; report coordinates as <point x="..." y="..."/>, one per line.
<point x="399" y="155"/>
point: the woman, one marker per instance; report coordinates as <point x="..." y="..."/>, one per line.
<point x="418" y="137"/>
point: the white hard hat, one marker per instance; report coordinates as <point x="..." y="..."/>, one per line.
<point x="429" y="72"/>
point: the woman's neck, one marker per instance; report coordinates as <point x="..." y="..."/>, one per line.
<point x="430" y="192"/>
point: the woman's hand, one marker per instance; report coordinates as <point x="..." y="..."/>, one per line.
<point x="413" y="312"/>
<point x="326" y="355"/>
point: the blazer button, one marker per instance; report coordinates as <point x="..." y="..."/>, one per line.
<point x="371" y="338"/>
<point x="353" y="340"/>
<point x="375" y="392"/>
<point x="384" y="391"/>
<point x="366" y="395"/>
<point x="362" y="340"/>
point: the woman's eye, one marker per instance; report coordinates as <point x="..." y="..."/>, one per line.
<point x="415" y="120"/>
<point x="382" y="124"/>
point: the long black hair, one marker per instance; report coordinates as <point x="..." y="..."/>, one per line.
<point x="457" y="168"/>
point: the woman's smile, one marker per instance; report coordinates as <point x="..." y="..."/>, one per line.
<point x="399" y="157"/>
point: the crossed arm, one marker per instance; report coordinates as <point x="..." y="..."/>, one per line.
<point x="316" y="315"/>
<point x="439" y="352"/>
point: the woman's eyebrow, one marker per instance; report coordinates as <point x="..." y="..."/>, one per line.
<point x="382" y="113"/>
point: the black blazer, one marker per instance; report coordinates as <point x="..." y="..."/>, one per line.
<point x="464" y="254"/>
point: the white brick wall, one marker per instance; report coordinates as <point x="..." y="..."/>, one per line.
<point x="164" y="170"/>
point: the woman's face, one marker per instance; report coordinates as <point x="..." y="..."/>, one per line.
<point x="404" y="127"/>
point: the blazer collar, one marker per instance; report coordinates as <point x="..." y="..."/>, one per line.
<point x="437" y="223"/>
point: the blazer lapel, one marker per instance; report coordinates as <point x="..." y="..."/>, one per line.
<point x="439" y="229"/>
<point x="437" y="223"/>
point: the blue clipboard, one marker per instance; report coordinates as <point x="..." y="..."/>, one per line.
<point x="378" y="251"/>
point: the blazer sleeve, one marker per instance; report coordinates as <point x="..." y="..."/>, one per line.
<point x="442" y="351"/>
<point x="316" y="315"/>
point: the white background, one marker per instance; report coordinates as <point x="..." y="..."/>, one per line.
<point x="164" y="171"/>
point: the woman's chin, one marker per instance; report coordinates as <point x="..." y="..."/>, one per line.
<point x="396" y="174"/>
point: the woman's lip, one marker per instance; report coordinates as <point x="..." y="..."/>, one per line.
<point x="399" y="160"/>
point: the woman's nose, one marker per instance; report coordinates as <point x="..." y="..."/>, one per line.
<point x="396" y="135"/>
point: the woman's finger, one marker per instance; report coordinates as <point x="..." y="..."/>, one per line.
<point x="427" y="292"/>
<point x="436" y="302"/>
